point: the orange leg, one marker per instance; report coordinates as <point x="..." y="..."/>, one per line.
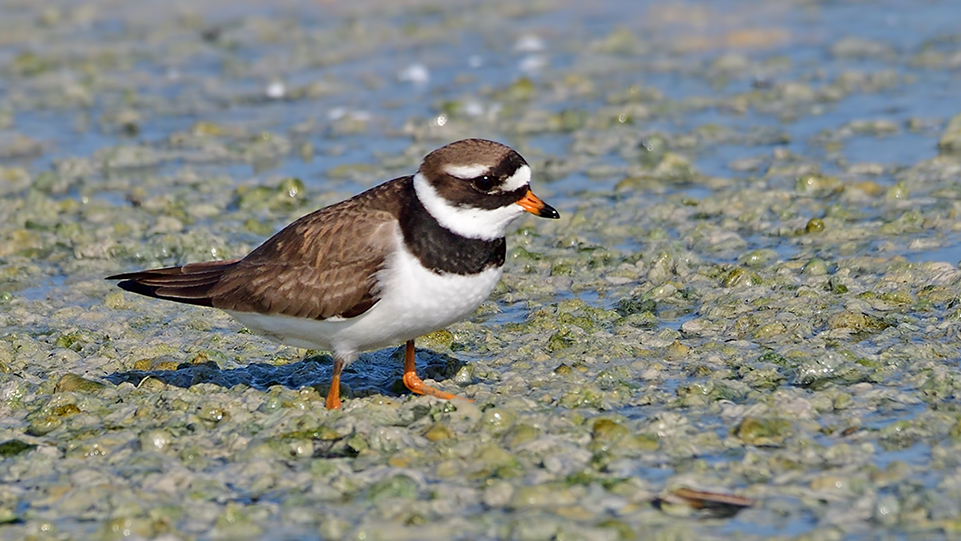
<point x="414" y="383"/>
<point x="333" y="397"/>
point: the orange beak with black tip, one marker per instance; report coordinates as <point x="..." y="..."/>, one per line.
<point x="533" y="204"/>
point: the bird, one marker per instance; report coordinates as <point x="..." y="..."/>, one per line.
<point x="401" y="260"/>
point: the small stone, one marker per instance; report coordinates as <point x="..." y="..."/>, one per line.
<point x="758" y="258"/>
<point x="856" y="321"/>
<point x="115" y="300"/>
<point x="520" y="434"/>
<point x="542" y="496"/>
<point x="65" y="410"/>
<point x="497" y="420"/>
<point x="398" y="486"/>
<point x="441" y="339"/>
<point x="605" y="434"/>
<point x="438" y="432"/>
<point x="43" y="425"/>
<point x="211" y="413"/>
<point x="151" y="384"/>
<point x="739" y="277"/>
<point x="762" y="431"/>
<point x="498" y="493"/>
<point x="677" y="351"/>
<point x="156" y="440"/>
<point x="75" y="383"/>
<point x="817" y="184"/>
<point x="11" y="448"/>
<point x="829" y="482"/>
<point x="815" y="267"/>
<point x="950" y="142"/>
<point x="814" y="225"/>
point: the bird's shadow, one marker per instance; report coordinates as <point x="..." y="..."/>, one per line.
<point x="379" y="372"/>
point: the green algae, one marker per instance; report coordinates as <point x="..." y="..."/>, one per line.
<point x="777" y="331"/>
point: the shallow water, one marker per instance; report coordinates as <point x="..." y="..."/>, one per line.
<point x="753" y="288"/>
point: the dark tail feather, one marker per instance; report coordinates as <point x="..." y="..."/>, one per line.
<point x="189" y="284"/>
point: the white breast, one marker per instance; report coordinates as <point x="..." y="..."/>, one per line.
<point x="414" y="301"/>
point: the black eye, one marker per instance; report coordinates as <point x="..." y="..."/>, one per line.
<point x="484" y="183"/>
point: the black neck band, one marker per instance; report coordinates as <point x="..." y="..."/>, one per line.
<point x="440" y="249"/>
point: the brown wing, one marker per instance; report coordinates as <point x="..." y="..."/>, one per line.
<point x="189" y="284"/>
<point x="320" y="266"/>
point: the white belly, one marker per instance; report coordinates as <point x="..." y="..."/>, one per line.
<point x="414" y="301"/>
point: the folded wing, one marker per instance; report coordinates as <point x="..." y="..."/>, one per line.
<point x="320" y="266"/>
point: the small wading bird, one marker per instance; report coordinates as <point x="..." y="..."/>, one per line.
<point x="398" y="261"/>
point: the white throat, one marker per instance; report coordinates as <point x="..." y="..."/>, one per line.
<point x="470" y="222"/>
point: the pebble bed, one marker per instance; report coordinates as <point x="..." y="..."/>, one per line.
<point x="753" y="290"/>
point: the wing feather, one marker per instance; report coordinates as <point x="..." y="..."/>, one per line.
<point x="323" y="265"/>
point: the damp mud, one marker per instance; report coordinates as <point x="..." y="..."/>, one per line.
<point x="746" y="322"/>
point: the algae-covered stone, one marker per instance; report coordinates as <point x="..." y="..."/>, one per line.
<point x="699" y="393"/>
<point x="494" y="459"/>
<point x="769" y="331"/>
<point x="155" y="440"/>
<point x="561" y="269"/>
<point x="125" y="527"/>
<point x="539" y="496"/>
<point x="609" y="436"/>
<point x="898" y="191"/>
<point x="259" y="227"/>
<point x="42" y="426"/>
<point x="740" y="277"/>
<point x="836" y="286"/>
<point x="520" y="434"/>
<point x="950" y="141"/>
<point x="440" y="339"/>
<point x="641" y="443"/>
<point x="497" y="420"/>
<point x="606" y="433"/>
<point x="775" y="358"/>
<point x="12" y="448"/>
<point x="815" y="369"/>
<point x="75" y="383"/>
<point x="898" y="296"/>
<point x="439" y="431"/>
<point x="563" y="370"/>
<point x="814" y="225"/>
<point x="763" y="431"/>
<point x="204" y="356"/>
<point x="211" y="412"/>
<point x="151" y="384"/>
<point x="857" y="47"/>
<point x="561" y="340"/>
<point x="856" y="322"/>
<point x="937" y="295"/>
<point x="398" y="486"/>
<point x="288" y="194"/>
<point x="115" y="300"/>
<point x="677" y="351"/>
<point x="65" y="410"/>
<point x="164" y="362"/>
<point x="194" y="458"/>
<point x="622" y="41"/>
<point x="758" y="258"/>
<point x="585" y="396"/>
<point x="236" y="522"/>
<point x="815" y="267"/>
<point x="627" y="307"/>
<point x="893" y="473"/>
<point x="817" y="184"/>
<point x="675" y="168"/>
